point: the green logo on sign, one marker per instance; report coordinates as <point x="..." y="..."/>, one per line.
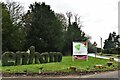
<point x="77" y="47"/>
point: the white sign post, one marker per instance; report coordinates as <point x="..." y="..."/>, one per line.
<point x="79" y="50"/>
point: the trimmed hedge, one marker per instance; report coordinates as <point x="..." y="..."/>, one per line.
<point x="37" y="57"/>
<point x="18" y="58"/>
<point x="31" y="57"/>
<point x="51" y="56"/>
<point x="21" y="58"/>
<point x="44" y="57"/>
<point x="8" y="59"/>
<point x="24" y="58"/>
<point x="55" y="57"/>
<point x="59" y="56"/>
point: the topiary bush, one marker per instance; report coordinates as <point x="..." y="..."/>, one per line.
<point x="44" y="57"/>
<point x="55" y="57"/>
<point x="24" y="56"/>
<point x="37" y="57"/>
<point x="8" y="59"/>
<point x="31" y="57"/>
<point x="18" y="58"/>
<point x="51" y="56"/>
<point x="59" y="56"/>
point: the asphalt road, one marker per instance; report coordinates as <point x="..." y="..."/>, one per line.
<point x="113" y="75"/>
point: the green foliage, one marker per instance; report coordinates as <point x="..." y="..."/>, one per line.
<point x="37" y="57"/>
<point x="91" y="48"/>
<point x="55" y="57"/>
<point x="74" y="33"/>
<point x="18" y="58"/>
<point x="44" y="57"/>
<point x="8" y="59"/>
<point x="63" y="66"/>
<point x="59" y="56"/>
<point x="31" y="57"/>
<point x="112" y="41"/>
<point x="43" y="28"/>
<point x="21" y="58"/>
<point x="12" y="35"/>
<point x="24" y="56"/>
<point x="112" y="51"/>
<point x="51" y="56"/>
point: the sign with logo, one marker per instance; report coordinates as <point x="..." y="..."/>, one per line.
<point x="80" y="50"/>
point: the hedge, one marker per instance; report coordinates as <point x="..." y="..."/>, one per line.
<point x="8" y="59"/>
<point x="44" y="57"/>
<point x="55" y="57"/>
<point x="37" y="57"/>
<point x="24" y="58"/>
<point x="32" y="51"/>
<point x="112" y="51"/>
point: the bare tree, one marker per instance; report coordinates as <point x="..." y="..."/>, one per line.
<point x="16" y="11"/>
<point x="69" y="15"/>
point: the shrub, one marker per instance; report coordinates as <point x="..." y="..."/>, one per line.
<point x="51" y="56"/>
<point x="32" y="51"/>
<point x="37" y="56"/>
<point x="112" y="51"/>
<point x="55" y="57"/>
<point x="8" y="59"/>
<point x="24" y="56"/>
<point x="18" y="58"/>
<point x="44" y="57"/>
<point x="59" y="56"/>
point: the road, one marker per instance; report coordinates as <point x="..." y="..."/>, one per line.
<point x="113" y="75"/>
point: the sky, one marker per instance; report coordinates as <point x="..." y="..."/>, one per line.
<point x="99" y="17"/>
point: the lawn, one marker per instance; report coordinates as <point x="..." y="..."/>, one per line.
<point x="81" y="65"/>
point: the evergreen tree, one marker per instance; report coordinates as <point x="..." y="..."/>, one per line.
<point x="43" y="28"/>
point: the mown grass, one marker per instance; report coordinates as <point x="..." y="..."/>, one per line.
<point x="81" y="65"/>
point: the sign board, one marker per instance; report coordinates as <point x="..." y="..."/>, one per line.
<point x="80" y="50"/>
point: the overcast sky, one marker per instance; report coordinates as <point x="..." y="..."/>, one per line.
<point x="99" y="17"/>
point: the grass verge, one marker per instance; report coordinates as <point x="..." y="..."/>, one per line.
<point x="80" y="65"/>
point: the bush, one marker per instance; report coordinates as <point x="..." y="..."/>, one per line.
<point x="24" y="56"/>
<point x="59" y="56"/>
<point x="55" y="57"/>
<point x="51" y="57"/>
<point x="18" y="58"/>
<point x="44" y="57"/>
<point x="31" y="57"/>
<point x="8" y="59"/>
<point x="112" y="51"/>
<point x="37" y="56"/>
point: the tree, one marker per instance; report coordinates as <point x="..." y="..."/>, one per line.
<point x="69" y="15"/>
<point x="12" y="36"/>
<point x="63" y="20"/>
<point x="112" y="41"/>
<point x="43" y="28"/>
<point x="16" y="11"/>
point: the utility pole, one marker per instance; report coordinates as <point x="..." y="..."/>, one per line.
<point x="101" y="44"/>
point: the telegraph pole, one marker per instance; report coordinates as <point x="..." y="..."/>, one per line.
<point x="101" y="44"/>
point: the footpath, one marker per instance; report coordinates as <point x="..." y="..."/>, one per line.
<point x="103" y="57"/>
